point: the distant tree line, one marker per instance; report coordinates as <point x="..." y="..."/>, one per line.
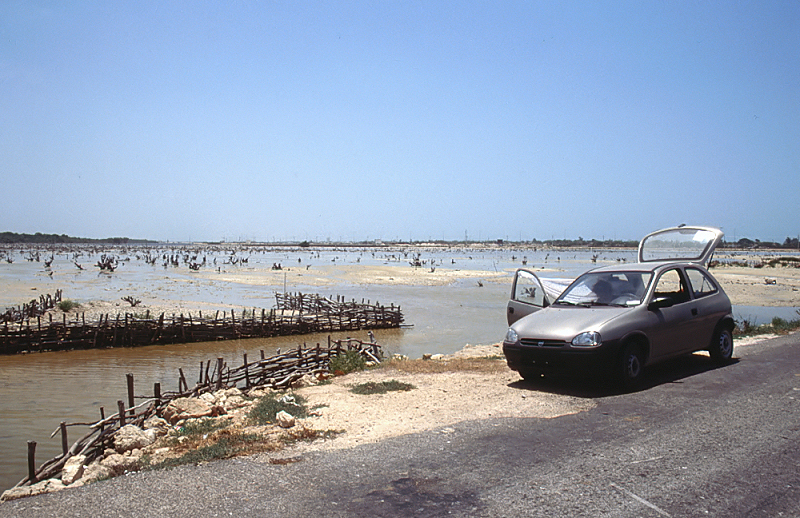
<point x="789" y="242"/>
<point x="13" y="237"/>
<point x="39" y="238"/>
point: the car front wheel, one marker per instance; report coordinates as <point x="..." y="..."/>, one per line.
<point x="631" y="367"/>
<point x="721" y="350"/>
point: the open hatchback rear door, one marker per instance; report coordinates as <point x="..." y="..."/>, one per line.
<point x="693" y="244"/>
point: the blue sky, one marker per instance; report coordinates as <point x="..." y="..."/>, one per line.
<point x="399" y="120"/>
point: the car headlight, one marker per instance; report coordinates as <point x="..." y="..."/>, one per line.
<point x="512" y="336"/>
<point x="588" y="339"/>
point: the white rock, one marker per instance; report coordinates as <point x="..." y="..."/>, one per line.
<point x="233" y="391"/>
<point x="131" y="437"/>
<point x="160" y="426"/>
<point x="119" y="464"/>
<point x="73" y="469"/>
<point x="45" y="486"/>
<point x="284" y="419"/>
<point x="96" y="471"/>
<point x="234" y="402"/>
<point x="115" y="462"/>
<point x="209" y="398"/>
<point x="187" y="408"/>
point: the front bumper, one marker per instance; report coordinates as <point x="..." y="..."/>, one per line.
<point x="561" y="358"/>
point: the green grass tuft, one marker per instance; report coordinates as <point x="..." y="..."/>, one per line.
<point x="225" y="447"/>
<point x="201" y="427"/>
<point x="348" y="362"/>
<point x="372" y="387"/>
<point x="67" y="305"/>
<point x="267" y="407"/>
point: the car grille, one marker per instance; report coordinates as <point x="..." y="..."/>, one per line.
<point x="532" y="342"/>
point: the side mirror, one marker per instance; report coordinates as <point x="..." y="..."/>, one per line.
<point x="660" y="302"/>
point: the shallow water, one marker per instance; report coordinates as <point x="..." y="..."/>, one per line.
<point x="41" y="390"/>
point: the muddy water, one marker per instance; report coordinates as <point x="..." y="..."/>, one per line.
<point x="41" y="390"/>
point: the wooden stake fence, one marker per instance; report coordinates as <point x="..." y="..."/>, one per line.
<point x="277" y="372"/>
<point x="34" y="308"/>
<point x="294" y="314"/>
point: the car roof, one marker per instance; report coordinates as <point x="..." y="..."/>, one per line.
<point x="649" y="266"/>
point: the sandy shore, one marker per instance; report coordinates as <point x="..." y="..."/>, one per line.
<point x="775" y="287"/>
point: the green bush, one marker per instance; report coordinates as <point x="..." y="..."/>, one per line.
<point x="781" y="324"/>
<point x="67" y="305"/>
<point x="201" y="427"/>
<point x="267" y="408"/>
<point x="237" y="443"/>
<point x="372" y="387"/>
<point x="778" y="325"/>
<point x="348" y="362"/>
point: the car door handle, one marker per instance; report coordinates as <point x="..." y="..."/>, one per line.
<point x="694" y="312"/>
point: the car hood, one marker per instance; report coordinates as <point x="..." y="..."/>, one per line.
<point x="564" y="323"/>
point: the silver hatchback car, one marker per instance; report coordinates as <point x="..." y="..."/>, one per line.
<point x="624" y="317"/>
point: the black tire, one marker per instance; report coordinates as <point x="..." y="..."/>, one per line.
<point x="721" y="348"/>
<point x="631" y="366"/>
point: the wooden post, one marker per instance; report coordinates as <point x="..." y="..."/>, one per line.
<point x="157" y="393"/>
<point x="182" y="381"/>
<point x="32" y="461"/>
<point x="102" y="418"/>
<point x="219" y="371"/>
<point x="129" y="377"/>
<point x="246" y="373"/>
<point x="64" y="445"/>
<point x="300" y="356"/>
<point x="121" y="406"/>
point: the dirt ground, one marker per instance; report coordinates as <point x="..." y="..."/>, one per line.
<point x="779" y="286"/>
<point x="440" y="399"/>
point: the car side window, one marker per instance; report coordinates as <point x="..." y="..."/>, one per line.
<point x="671" y="285"/>
<point x="700" y="283"/>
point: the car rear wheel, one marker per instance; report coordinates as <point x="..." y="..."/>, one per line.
<point x="631" y="367"/>
<point x="721" y="349"/>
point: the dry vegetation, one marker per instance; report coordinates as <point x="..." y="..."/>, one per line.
<point x="490" y="364"/>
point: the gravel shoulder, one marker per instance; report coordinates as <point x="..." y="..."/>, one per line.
<point x="441" y="398"/>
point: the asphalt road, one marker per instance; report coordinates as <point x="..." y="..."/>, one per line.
<point x="697" y="441"/>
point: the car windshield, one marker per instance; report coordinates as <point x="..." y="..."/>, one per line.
<point x="607" y="289"/>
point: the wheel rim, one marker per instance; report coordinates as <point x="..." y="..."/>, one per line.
<point x="633" y="366"/>
<point x="725" y="345"/>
